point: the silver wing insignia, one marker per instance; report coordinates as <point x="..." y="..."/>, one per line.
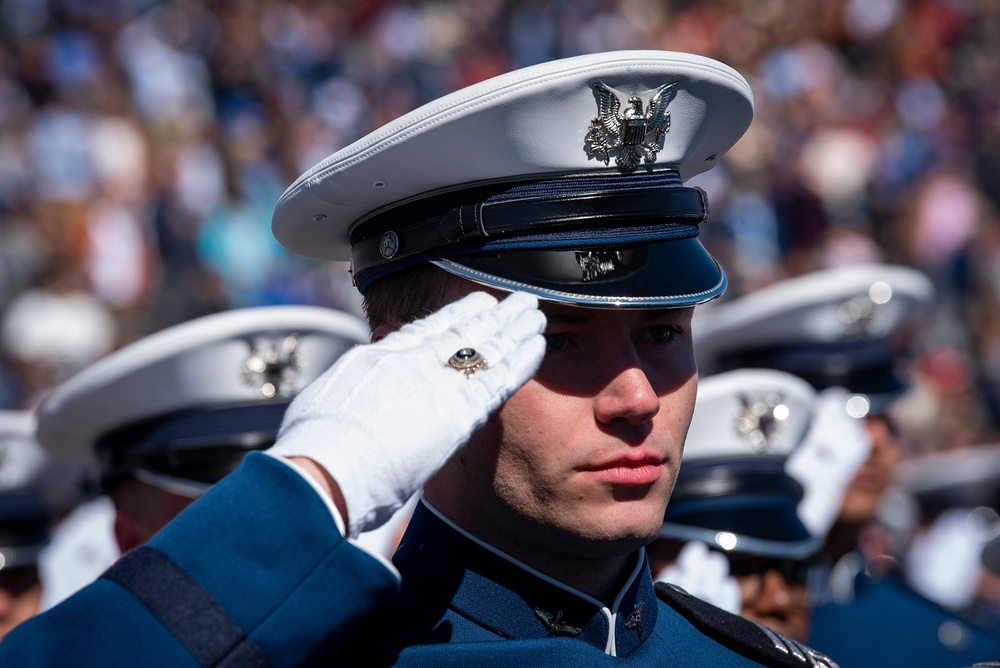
<point x="608" y="105"/>
<point x="658" y="116"/>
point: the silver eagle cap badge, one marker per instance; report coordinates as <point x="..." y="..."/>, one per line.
<point x="760" y="421"/>
<point x="274" y="366"/>
<point x="627" y="134"/>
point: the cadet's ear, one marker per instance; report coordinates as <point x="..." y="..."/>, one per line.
<point x="383" y="331"/>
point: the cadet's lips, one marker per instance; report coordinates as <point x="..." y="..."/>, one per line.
<point x="635" y="469"/>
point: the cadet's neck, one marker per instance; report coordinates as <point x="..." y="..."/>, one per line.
<point x="600" y="577"/>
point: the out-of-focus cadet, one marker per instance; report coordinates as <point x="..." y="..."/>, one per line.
<point x="734" y="532"/>
<point x="851" y="327"/>
<point x="26" y="517"/>
<point x="163" y="419"/>
<point x="951" y="551"/>
<point x="543" y="479"/>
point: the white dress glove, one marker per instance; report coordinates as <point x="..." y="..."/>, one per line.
<point x="827" y="459"/>
<point x="944" y="562"/>
<point x="705" y="574"/>
<point x="388" y="415"/>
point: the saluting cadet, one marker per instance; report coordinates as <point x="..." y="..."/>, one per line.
<point x="734" y="530"/>
<point x="545" y="426"/>
<point x="163" y="419"/>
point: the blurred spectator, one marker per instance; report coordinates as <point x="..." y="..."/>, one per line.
<point x="143" y="145"/>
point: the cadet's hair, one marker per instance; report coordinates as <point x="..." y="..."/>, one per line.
<point x="406" y="295"/>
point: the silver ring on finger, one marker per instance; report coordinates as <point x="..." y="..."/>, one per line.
<point x="467" y="361"/>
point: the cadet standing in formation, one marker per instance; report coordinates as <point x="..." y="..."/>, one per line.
<point x="851" y="327"/>
<point x="732" y="533"/>
<point x="546" y="460"/>
<point x="27" y="513"/>
<point x="162" y="420"/>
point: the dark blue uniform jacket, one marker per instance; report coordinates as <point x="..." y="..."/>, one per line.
<point x="256" y="574"/>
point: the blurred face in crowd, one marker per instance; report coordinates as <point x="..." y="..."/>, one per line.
<point x="20" y="596"/>
<point x="774" y="593"/>
<point x="580" y="461"/>
<point x="863" y="495"/>
<point x="141" y="510"/>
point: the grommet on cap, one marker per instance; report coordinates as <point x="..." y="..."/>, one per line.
<point x="388" y="245"/>
<point x="467" y="361"/>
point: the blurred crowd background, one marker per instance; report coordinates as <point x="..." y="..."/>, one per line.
<point x="144" y="144"/>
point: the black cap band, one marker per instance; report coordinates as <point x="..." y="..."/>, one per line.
<point x="527" y="215"/>
<point x="200" y="445"/>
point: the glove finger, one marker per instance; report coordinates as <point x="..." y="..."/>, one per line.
<point x="415" y="333"/>
<point x="716" y="567"/>
<point x="692" y="555"/>
<point x="482" y="331"/>
<point x="519" y="328"/>
<point x="498" y="332"/>
<point x="355" y="368"/>
<point x="512" y="371"/>
<point x="500" y="336"/>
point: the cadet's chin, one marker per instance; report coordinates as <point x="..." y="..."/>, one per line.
<point x="618" y="536"/>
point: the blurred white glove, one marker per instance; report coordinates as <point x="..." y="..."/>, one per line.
<point x="705" y="574"/>
<point x="827" y="459"/>
<point x="388" y="415"/>
<point x="944" y="562"/>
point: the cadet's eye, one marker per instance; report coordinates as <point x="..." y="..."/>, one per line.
<point x="661" y="334"/>
<point x="556" y="341"/>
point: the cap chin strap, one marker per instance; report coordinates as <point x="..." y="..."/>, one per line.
<point x="179" y="486"/>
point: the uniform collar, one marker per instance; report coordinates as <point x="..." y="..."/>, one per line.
<point x="515" y="601"/>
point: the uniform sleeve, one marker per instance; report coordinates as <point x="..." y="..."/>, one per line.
<point x="255" y="573"/>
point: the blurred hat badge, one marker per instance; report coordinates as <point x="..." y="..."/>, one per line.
<point x="760" y="420"/>
<point x="274" y="366"/>
<point x="862" y="315"/>
<point x="625" y="133"/>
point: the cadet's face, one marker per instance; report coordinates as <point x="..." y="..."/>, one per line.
<point x="863" y="495"/>
<point x="770" y="599"/>
<point x="581" y="460"/>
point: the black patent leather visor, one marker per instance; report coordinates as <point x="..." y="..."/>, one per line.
<point x="671" y="273"/>
<point x="739" y="505"/>
<point x="769" y="529"/>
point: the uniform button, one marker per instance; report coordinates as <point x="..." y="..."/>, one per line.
<point x="679" y="589"/>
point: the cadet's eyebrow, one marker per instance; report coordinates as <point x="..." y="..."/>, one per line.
<point x="568" y="315"/>
<point x="661" y="313"/>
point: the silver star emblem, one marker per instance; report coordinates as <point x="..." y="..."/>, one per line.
<point x="759" y="421"/>
<point x="625" y="134"/>
<point x="863" y="315"/>
<point x="273" y="367"/>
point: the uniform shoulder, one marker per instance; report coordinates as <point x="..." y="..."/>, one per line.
<point x="743" y="636"/>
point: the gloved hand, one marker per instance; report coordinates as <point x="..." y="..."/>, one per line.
<point x="388" y="415"/>
<point x="705" y="574"/>
<point x="827" y="459"/>
<point x="944" y="562"/>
